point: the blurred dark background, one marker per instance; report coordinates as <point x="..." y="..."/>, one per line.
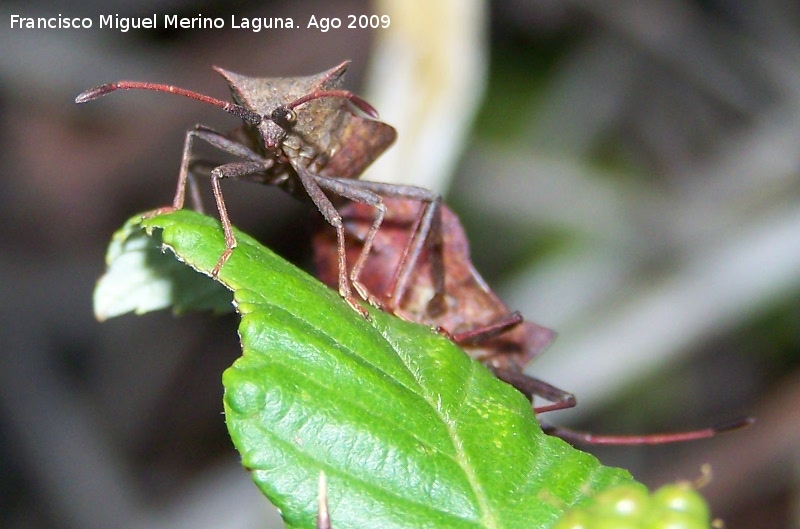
<point x="627" y="172"/>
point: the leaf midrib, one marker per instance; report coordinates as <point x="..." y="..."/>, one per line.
<point x="487" y="519"/>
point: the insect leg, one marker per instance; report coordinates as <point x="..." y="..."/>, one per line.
<point x="561" y="399"/>
<point x="184" y="175"/>
<point x="531" y="387"/>
<point x="479" y="334"/>
<point x="427" y="232"/>
<point x="230" y="170"/>
<point x="255" y="165"/>
<point x="351" y="190"/>
<point x="576" y="437"/>
<point x="311" y="183"/>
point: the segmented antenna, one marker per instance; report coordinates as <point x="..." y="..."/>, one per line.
<point x="239" y="111"/>
<point x="344" y="94"/>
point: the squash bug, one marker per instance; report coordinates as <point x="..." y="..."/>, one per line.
<point x="301" y="134"/>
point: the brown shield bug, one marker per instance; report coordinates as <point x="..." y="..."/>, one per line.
<point x="436" y="284"/>
<point x="301" y="134"/>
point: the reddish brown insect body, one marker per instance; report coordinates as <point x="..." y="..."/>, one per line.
<point x="414" y="259"/>
<point x="407" y="285"/>
<point x="300" y="134"/>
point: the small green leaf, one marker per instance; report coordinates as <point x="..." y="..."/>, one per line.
<point x="141" y="279"/>
<point x="409" y="430"/>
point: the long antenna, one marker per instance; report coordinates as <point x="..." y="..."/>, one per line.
<point x="343" y="94"/>
<point x="237" y="110"/>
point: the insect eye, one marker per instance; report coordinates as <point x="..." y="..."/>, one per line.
<point x="284" y="117"/>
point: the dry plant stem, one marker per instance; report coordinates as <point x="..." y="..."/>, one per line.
<point x="323" y="517"/>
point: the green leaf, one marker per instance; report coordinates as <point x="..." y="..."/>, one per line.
<point x="409" y="430"/>
<point x="141" y="279"/>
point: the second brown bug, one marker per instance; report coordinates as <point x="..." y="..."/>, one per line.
<point x="420" y="269"/>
